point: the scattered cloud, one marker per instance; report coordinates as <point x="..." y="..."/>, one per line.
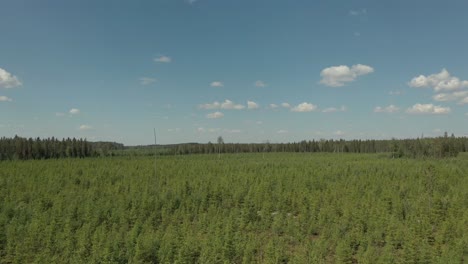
<point x="200" y="130"/>
<point x="176" y="130"/>
<point x="388" y="109"/>
<point x="215" y="115"/>
<point x="339" y="133"/>
<point x="260" y="83"/>
<point x="282" y="131"/>
<point x="397" y="92"/>
<point x="216" y="84"/>
<point x="252" y="105"/>
<point x="455" y="96"/>
<point x="5" y="99"/>
<point x="259" y="122"/>
<point x="359" y="12"/>
<point x="273" y="106"/>
<point x="233" y="131"/>
<point x="163" y="59"/>
<point x="464" y="101"/>
<point x="442" y="81"/>
<point x="286" y="105"/>
<point x="227" y="104"/>
<point x="146" y="80"/>
<point x="74" y="111"/>
<point x="191" y="2"/>
<point x="357" y="34"/>
<point x="59" y="114"/>
<point x="334" y="109"/>
<point x="336" y="76"/>
<point x="428" y="109"/>
<point x="85" y="127"/>
<point x="8" y="80"/>
<point x="304" y="107"/>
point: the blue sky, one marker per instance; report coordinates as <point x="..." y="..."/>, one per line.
<point x="249" y="71"/>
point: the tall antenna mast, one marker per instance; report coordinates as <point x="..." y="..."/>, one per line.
<point x="155" y="151"/>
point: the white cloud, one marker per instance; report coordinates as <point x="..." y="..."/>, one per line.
<point x="85" y="127"/>
<point x="5" y="99"/>
<point x="339" y="133"/>
<point x="233" y="131"/>
<point x="216" y="84"/>
<point x="428" y="109"/>
<point x="388" y="109"/>
<point x="227" y="104"/>
<point x="163" y="59"/>
<point x="74" y="111"/>
<point x="259" y="122"/>
<point x="286" y="105"/>
<point x="260" y="83"/>
<point x="334" y="109"/>
<point x="282" y="131"/>
<point x="455" y="96"/>
<point x="8" y="80"/>
<point x="273" y="106"/>
<point x="304" y="107"/>
<point x="191" y="1"/>
<point x="215" y="115"/>
<point x="200" y="130"/>
<point x="252" y="105"/>
<point x="146" y="80"/>
<point x="464" y="101"/>
<point x="339" y="75"/>
<point x="395" y="92"/>
<point x="441" y="81"/>
<point x="59" y="114"/>
<point x="359" y="12"/>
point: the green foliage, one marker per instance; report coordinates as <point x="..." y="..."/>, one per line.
<point x="283" y="208"/>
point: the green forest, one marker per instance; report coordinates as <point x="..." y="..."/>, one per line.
<point x="235" y="208"/>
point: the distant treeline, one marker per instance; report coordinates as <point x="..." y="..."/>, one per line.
<point x="19" y="148"/>
<point x="440" y="147"/>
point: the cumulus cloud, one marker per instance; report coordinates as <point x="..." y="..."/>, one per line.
<point x="339" y="133"/>
<point x="282" y="131"/>
<point x="252" y="105"/>
<point x="59" y="114"/>
<point x="304" y="107"/>
<point x="74" y="111"/>
<point x="8" y="80"/>
<point x="441" y="81"/>
<point x="5" y="99"/>
<point x="273" y="106"/>
<point x="286" y="105"/>
<point x="215" y="115"/>
<point x="260" y="83"/>
<point x="428" y="109"/>
<point x="227" y="104"/>
<point x="359" y="12"/>
<point x="388" y="109"/>
<point x="216" y="84"/>
<point x="334" y="109"/>
<point x="163" y="59"/>
<point x="146" y="80"/>
<point x="464" y="101"/>
<point x="233" y="131"/>
<point x="455" y="96"/>
<point x="85" y="127"/>
<point x="339" y="75"/>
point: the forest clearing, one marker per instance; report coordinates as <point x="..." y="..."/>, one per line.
<point x="239" y="208"/>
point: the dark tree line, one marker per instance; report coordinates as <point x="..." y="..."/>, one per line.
<point x="439" y="147"/>
<point x="19" y="148"/>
